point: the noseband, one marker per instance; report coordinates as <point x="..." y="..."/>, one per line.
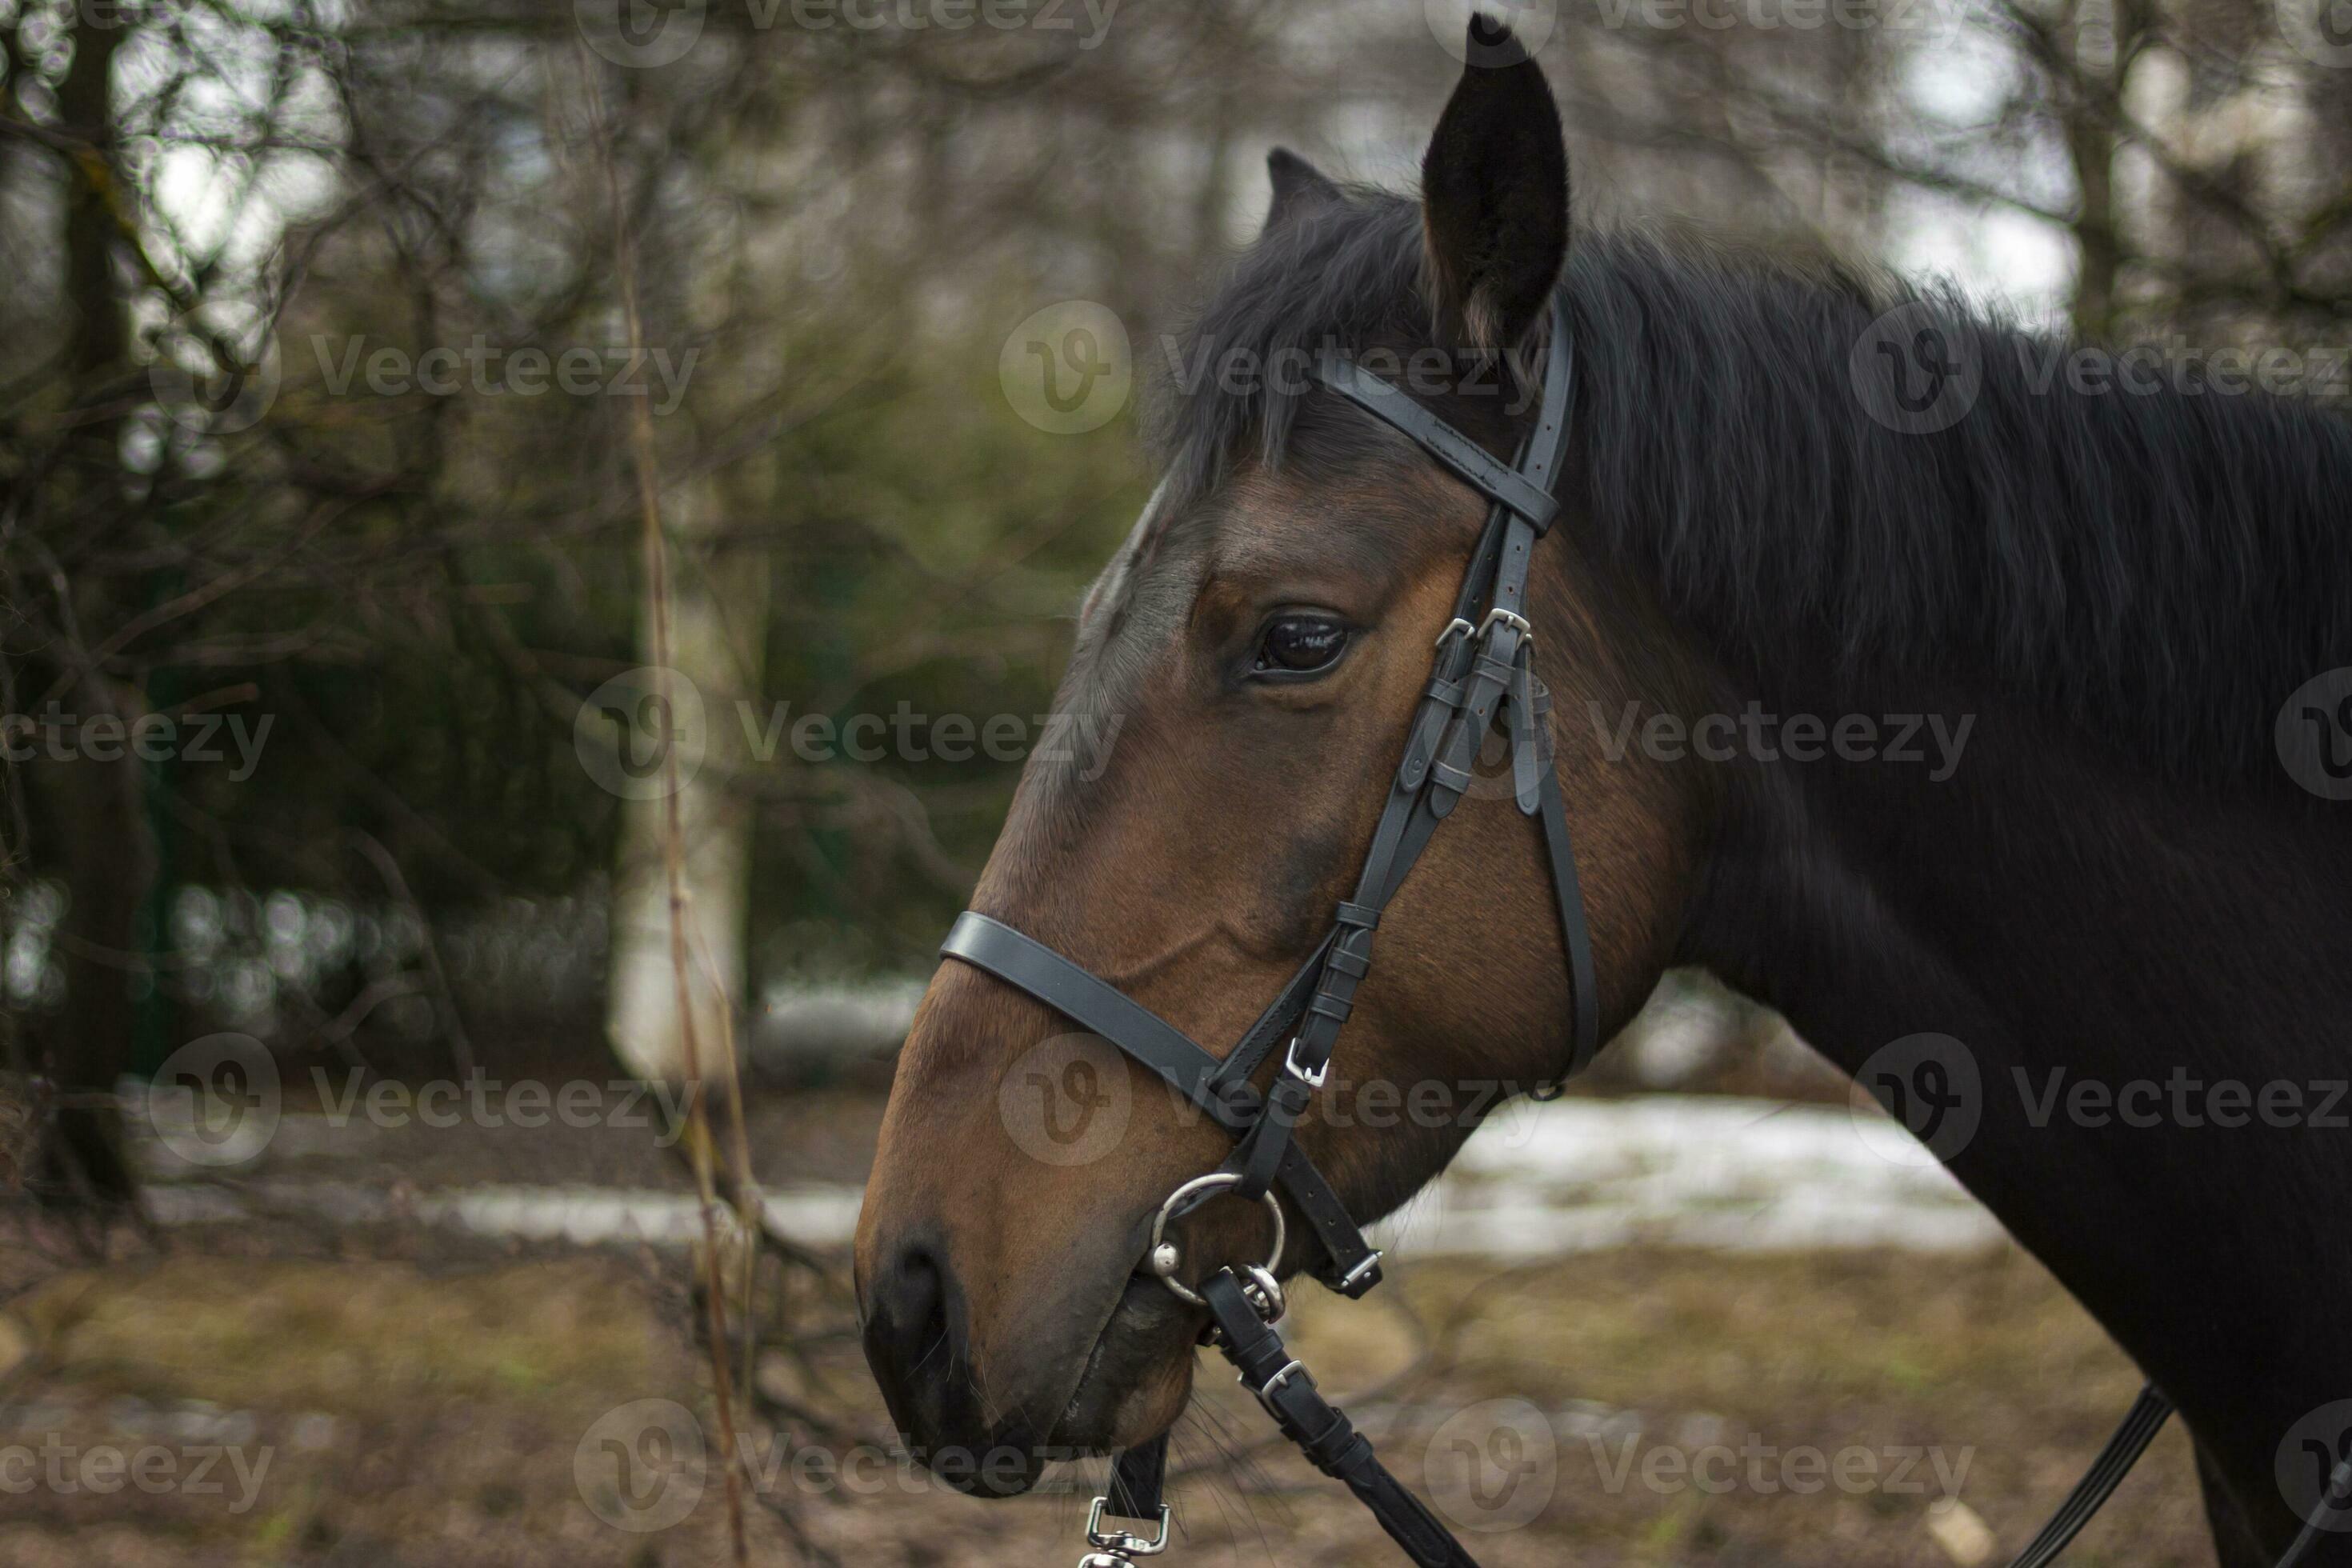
<point x="1483" y="670"/>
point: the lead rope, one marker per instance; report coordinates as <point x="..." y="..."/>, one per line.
<point x="1244" y="1311"/>
<point x="1140" y="1474"/>
<point x="2140" y="1425"/>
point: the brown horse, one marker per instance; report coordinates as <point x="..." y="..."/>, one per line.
<point x="1907" y="686"/>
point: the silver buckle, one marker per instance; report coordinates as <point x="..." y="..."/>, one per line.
<point x="1457" y="627"/>
<point x="1517" y="623"/>
<point x="1119" y="1541"/>
<point x="1348" y="1282"/>
<point x="1290" y="1065"/>
<point x="1265" y="1394"/>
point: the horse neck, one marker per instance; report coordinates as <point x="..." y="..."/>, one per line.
<point x="2071" y="919"/>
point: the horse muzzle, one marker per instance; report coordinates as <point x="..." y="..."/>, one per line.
<point x="1086" y="1361"/>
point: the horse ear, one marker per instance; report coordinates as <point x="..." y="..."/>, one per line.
<point x="1494" y="188"/>
<point x="1297" y="185"/>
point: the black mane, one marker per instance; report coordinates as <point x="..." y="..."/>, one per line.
<point x="2160" y="568"/>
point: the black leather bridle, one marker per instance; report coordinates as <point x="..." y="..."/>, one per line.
<point x="1484" y="670"/>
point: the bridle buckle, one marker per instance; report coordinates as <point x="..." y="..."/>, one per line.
<point x="1292" y="1368"/>
<point x="1290" y="1065"/>
<point x="1511" y="618"/>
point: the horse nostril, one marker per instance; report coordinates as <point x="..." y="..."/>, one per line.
<point x="906" y="1336"/>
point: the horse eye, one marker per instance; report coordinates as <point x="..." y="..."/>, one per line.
<point x="1299" y="645"/>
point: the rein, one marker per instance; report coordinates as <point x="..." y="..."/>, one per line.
<point x="1483" y="670"/>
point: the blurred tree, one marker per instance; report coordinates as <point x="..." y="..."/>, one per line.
<point x="285" y="441"/>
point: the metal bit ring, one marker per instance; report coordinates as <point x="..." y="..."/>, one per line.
<point x="1165" y="1258"/>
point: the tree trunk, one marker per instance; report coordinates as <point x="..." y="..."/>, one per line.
<point x="719" y="619"/>
<point x="97" y="809"/>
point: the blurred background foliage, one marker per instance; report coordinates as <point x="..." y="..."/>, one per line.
<point x="214" y="213"/>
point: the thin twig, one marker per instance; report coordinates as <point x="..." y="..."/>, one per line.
<point x="656" y="569"/>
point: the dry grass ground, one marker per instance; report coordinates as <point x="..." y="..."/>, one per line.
<point x="381" y="1401"/>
